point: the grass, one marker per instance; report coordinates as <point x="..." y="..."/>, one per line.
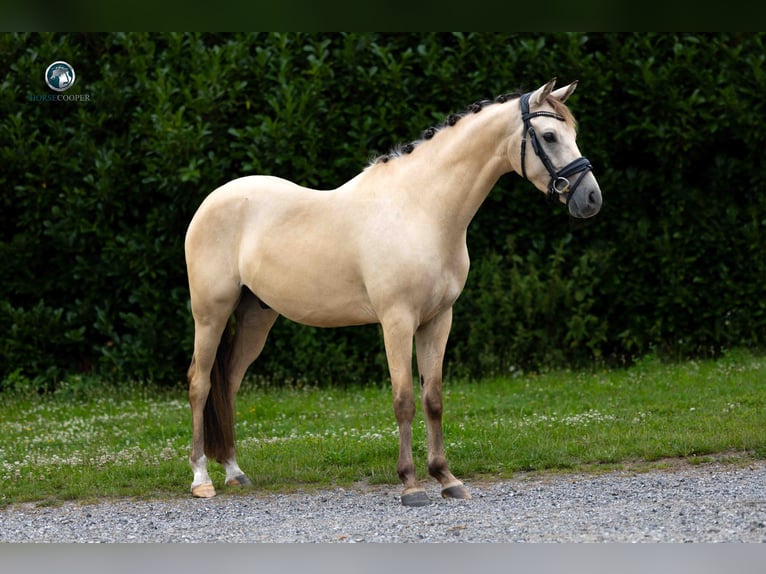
<point x="85" y="443"/>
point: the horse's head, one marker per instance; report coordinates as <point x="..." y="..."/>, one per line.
<point x="548" y="152"/>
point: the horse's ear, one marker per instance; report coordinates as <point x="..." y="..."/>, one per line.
<point x="541" y="93"/>
<point x="563" y="93"/>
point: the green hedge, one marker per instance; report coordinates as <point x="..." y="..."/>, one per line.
<point x="96" y="195"/>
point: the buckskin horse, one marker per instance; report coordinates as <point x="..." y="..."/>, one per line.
<point x="387" y="247"/>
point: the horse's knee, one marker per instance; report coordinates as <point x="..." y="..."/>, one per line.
<point x="404" y="408"/>
<point x="432" y="402"/>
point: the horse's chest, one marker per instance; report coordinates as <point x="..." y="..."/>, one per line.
<point x="441" y="279"/>
<point x="451" y="281"/>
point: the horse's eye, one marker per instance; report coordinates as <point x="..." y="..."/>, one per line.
<point x="549" y="137"/>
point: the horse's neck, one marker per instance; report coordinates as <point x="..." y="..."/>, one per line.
<point x="452" y="174"/>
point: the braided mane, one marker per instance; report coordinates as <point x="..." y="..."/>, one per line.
<point x="407" y="148"/>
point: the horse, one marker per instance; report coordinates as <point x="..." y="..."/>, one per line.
<point x="386" y="247"/>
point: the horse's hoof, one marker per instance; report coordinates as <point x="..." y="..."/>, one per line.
<point x="456" y="491"/>
<point x="415" y="498"/>
<point x="240" y="480"/>
<point x="205" y="490"/>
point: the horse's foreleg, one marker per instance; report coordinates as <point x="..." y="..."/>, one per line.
<point x="253" y="325"/>
<point x="430" y="343"/>
<point x="397" y="335"/>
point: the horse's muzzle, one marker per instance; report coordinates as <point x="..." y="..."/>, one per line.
<point x="586" y="198"/>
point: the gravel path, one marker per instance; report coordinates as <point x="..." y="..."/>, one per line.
<point x="705" y="503"/>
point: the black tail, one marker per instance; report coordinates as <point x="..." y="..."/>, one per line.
<point x="219" y="408"/>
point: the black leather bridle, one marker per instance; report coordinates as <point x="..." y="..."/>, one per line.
<point x="559" y="183"/>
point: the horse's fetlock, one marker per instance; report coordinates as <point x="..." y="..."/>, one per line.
<point x="406" y="472"/>
<point x="437" y="467"/>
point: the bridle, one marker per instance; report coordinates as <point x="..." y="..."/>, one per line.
<point x="559" y="183"/>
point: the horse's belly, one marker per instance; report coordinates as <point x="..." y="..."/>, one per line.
<point x="320" y="296"/>
<point x="328" y="316"/>
<point x="318" y="311"/>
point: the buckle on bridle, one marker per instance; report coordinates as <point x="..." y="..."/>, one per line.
<point x="557" y="187"/>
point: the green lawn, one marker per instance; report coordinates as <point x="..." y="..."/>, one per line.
<point x="85" y="442"/>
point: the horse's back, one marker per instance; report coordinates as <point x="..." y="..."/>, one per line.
<point x="238" y="192"/>
<point x="226" y="209"/>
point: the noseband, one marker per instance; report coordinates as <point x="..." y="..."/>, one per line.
<point x="559" y="183"/>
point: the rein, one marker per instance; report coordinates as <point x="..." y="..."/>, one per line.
<point x="559" y="183"/>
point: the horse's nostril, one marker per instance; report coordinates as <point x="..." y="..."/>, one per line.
<point x="592" y="197"/>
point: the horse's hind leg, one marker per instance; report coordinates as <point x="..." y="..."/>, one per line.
<point x="430" y="343"/>
<point x="207" y="338"/>
<point x="253" y="323"/>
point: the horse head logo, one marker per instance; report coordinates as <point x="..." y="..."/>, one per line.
<point x="59" y="76"/>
